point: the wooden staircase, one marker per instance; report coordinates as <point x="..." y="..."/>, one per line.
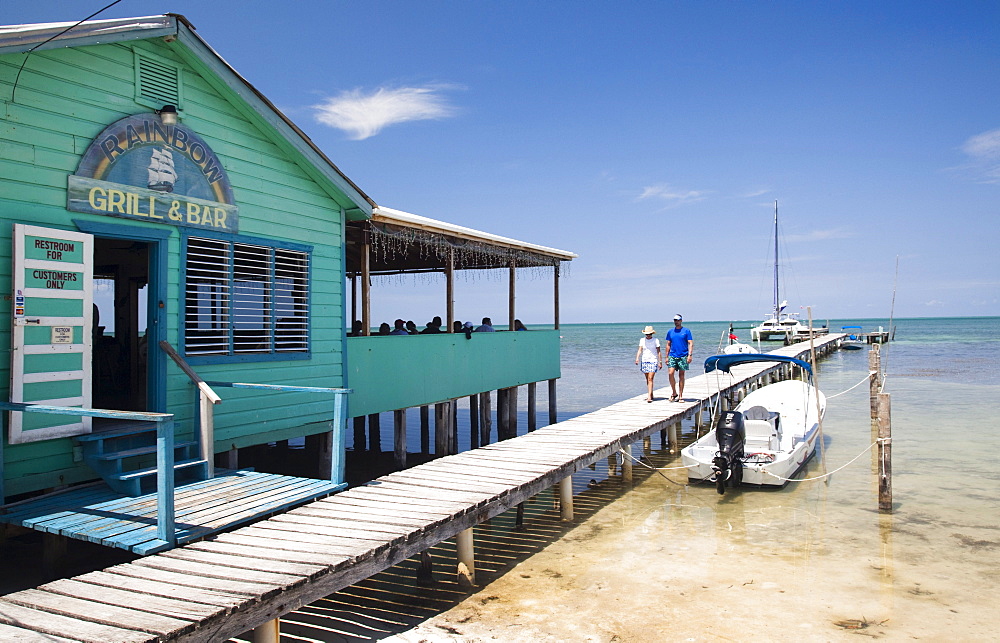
<point x="125" y="457"/>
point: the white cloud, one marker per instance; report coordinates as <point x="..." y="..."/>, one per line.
<point x="983" y="151"/>
<point x="670" y="196"/>
<point x="363" y="114"/>
<point x="934" y="302"/>
<point x="821" y="235"/>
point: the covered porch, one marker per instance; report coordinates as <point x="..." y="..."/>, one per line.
<point x="436" y="370"/>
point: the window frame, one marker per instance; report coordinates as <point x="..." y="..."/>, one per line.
<point x="237" y="358"/>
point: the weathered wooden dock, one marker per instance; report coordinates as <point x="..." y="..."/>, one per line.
<point x="246" y="579"/>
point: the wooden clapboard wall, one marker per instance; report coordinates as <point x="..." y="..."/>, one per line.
<point x="64" y="98"/>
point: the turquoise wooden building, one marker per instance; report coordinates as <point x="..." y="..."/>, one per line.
<point x="152" y="199"/>
<point x="176" y="254"/>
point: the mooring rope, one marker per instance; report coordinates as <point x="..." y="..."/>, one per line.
<point x="827" y="475"/>
<point x="626" y="453"/>
<point x="867" y="377"/>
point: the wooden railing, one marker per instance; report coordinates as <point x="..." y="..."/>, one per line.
<point x="337" y="448"/>
<point x="164" y="453"/>
<point x="206" y="399"/>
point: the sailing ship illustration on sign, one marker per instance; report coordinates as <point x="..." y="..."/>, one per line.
<point x="162" y="174"/>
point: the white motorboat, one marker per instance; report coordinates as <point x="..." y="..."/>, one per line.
<point x="766" y="439"/>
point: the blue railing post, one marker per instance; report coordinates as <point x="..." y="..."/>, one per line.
<point x="339" y="445"/>
<point x="165" y="481"/>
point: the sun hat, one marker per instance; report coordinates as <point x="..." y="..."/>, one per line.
<point x="648" y="330"/>
<point x="678" y="318"/>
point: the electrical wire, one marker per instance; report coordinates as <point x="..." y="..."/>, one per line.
<point x="50" y="39"/>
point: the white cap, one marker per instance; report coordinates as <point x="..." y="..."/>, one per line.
<point x="678" y="318"/>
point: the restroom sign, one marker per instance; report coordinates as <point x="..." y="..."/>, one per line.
<point x="62" y="335"/>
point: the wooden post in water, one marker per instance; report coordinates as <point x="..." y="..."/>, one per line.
<point x="512" y="411"/>
<point x="399" y="437"/>
<point x="503" y="415"/>
<point x="532" y="424"/>
<point x="627" y="464"/>
<point x="374" y="433"/>
<point x="673" y="436"/>
<point x="442" y="429"/>
<point x="874" y="367"/>
<point x="566" y="498"/>
<point x="360" y="443"/>
<point x="486" y="419"/>
<point x="474" y="421"/>
<point x="884" y="453"/>
<point x="269" y="632"/>
<point x="466" y="558"/>
<point x="425" y="430"/>
<point x="552" y="402"/>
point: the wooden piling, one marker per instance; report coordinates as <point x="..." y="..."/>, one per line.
<point x="884" y="453"/>
<point x="399" y="437"/>
<point x="360" y="442"/>
<point x="532" y="424"/>
<point x="566" y="498"/>
<point x="425" y="430"/>
<point x="486" y="418"/>
<point x="474" y="421"/>
<point x="442" y="429"/>
<point x="674" y="429"/>
<point x="374" y="433"/>
<point x="269" y="632"/>
<point x="874" y="367"/>
<point x="512" y="412"/>
<point x="552" y="402"/>
<point x="466" y="558"/>
<point x="627" y="464"/>
<point x="503" y="415"/>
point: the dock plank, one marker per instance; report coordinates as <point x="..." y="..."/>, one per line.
<point x="57" y="625"/>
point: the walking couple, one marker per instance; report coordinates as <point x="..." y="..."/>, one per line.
<point x="679" y="349"/>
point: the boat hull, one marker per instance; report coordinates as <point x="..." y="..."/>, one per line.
<point x="795" y="404"/>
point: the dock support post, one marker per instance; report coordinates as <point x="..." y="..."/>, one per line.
<point x="673" y="436"/>
<point x="442" y="429"/>
<point x="552" y="402"/>
<point x="269" y="632"/>
<point x="874" y="367"/>
<point x="502" y="414"/>
<point x="322" y="445"/>
<point x="54" y="549"/>
<point x="627" y="464"/>
<point x="360" y="443"/>
<point x="399" y="437"/>
<point x="374" y="433"/>
<point x="486" y="418"/>
<point x="512" y="411"/>
<point x="532" y="421"/>
<point x="474" y="421"/>
<point x="466" y="558"/>
<point x="884" y="453"/>
<point x="425" y="430"/>
<point x="566" y="498"/>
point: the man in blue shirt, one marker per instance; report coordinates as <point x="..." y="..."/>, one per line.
<point x="680" y="349"/>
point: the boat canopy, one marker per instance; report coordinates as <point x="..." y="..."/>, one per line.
<point x="725" y="362"/>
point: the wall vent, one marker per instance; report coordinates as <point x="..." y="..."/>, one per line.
<point x="157" y="83"/>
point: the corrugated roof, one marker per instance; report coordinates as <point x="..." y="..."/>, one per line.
<point x="406" y="219"/>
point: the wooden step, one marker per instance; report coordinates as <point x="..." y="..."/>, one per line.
<point x="131" y="453"/>
<point x="151" y="471"/>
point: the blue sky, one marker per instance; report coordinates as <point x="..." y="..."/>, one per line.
<point x="652" y="139"/>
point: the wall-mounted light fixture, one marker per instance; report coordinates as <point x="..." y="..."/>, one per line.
<point x="167" y="114"/>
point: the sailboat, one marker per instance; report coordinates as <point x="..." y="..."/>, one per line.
<point x="778" y="324"/>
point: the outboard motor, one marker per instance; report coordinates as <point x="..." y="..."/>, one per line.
<point x="728" y="462"/>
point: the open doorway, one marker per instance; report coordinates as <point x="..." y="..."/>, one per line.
<point x="120" y="350"/>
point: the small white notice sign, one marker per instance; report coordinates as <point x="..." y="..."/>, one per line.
<point x="62" y="334"/>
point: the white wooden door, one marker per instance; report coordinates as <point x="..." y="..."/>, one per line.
<point x="51" y="332"/>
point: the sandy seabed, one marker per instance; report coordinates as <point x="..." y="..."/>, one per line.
<point x="668" y="562"/>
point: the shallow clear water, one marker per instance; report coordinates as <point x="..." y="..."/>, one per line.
<point x="809" y="555"/>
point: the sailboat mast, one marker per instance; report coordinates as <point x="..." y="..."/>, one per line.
<point x="775" y="259"/>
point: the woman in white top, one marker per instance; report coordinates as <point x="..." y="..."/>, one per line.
<point x="648" y="358"/>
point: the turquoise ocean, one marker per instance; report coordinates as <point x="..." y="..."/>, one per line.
<point x="814" y="553"/>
